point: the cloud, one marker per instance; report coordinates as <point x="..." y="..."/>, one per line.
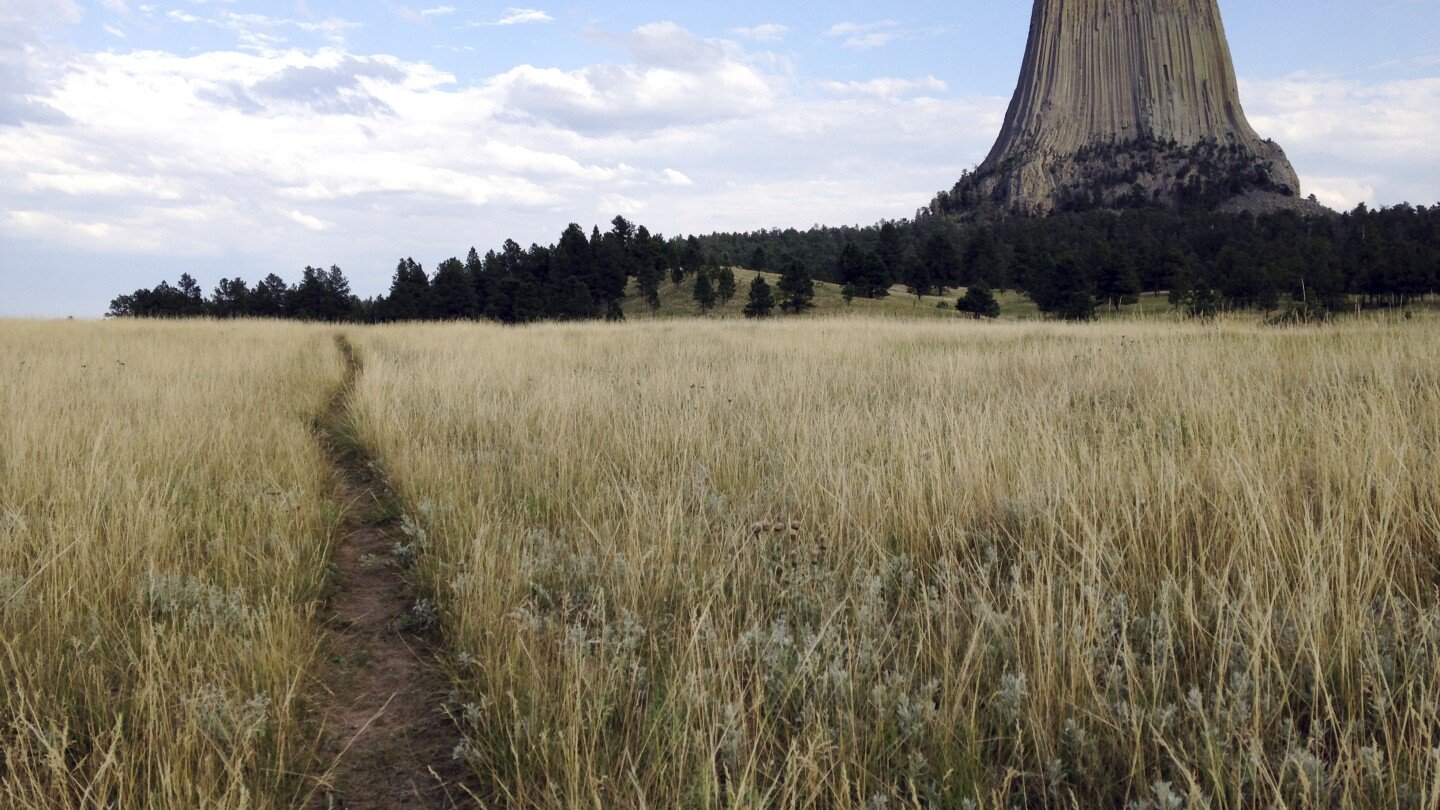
<point x="768" y="33"/>
<point x="516" y="16"/>
<point x="29" y="61"/>
<point x="674" y="79"/>
<point x="258" y="159"/>
<point x="306" y="221"/>
<point x="887" y="88"/>
<point x="1351" y="139"/>
<point x="262" y="32"/>
<point x="675" y="178"/>
<point x="866" y="36"/>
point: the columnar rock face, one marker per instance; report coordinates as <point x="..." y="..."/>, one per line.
<point x="1125" y="102"/>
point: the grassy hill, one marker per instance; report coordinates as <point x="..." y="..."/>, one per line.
<point x="676" y="302"/>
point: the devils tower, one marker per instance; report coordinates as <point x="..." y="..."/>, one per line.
<point x="1124" y="103"/>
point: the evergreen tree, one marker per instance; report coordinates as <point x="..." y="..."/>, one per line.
<point x="409" y="298"/>
<point x="725" y="284"/>
<point x="321" y="296"/>
<point x="231" y="299"/>
<point x="759" y="260"/>
<point x="475" y="271"/>
<point x="194" y="303"/>
<point x="983" y="260"/>
<point x="692" y="258"/>
<point x="704" y="293"/>
<point x="890" y="247"/>
<point x="761" y="302"/>
<point x="850" y="269"/>
<point x="874" y="277"/>
<point x="797" y="288"/>
<point x="453" y="291"/>
<point x="942" y="261"/>
<point x="1116" y="280"/>
<point x="268" y="298"/>
<point x="1063" y="290"/>
<point x="979" y="301"/>
<point x="674" y="258"/>
<point x="919" y="278"/>
<point x="650" y="266"/>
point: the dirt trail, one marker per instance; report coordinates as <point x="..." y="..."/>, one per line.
<point x="385" y="730"/>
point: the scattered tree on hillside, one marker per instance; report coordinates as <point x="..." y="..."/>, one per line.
<point x="761" y="302"/>
<point x="725" y="283"/>
<point x="704" y="292"/>
<point x="919" y="279"/>
<point x="979" y="301"/>
<point x="797" y="288"/>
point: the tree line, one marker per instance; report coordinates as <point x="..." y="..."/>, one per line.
<point x="579" y="277"/>
<point x="1071" y="265"/>
<point x="1074" y="264"/>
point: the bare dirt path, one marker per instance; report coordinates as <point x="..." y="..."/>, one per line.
<point x="385" y="730"/>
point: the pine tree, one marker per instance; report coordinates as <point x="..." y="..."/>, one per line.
<point x="267" y="300"/>
<point x="409" y="298"/>
<point x="761" y="302"/>
<point x="979" y="301"/>
<point x="891" y="250"/>
<point x="942" y="260"/>
<point x="704" y="293"/>
<point x="453" y="291"/>
<point x="919" y="279"/>
<point x="475" y="271"/>
<point x="759" y="260"/>
<point x="725" y="284"/>
<point x="231" y="299"/>
<point x="797" y="289"/>
<point x="874" y="277"/>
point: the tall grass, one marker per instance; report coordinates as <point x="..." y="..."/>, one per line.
<point x="846" y="563"/>
<point x="163" y="538"/>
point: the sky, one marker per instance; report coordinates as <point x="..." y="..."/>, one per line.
<point x="141" y="139"/>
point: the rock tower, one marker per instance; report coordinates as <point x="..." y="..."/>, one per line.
<point x="1124" y="103"/>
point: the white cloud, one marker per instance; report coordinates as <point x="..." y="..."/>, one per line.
<point x="281" y="156"/>
<point x="768" y="33"/>
<point x="887" y="88"/>
<point x="675" y="178"/>
<point x="113" y="31"/>
<point x="1353" y="141"/>
<point x="866" y="36"/>
<point x="518" y="16"/>
<point x="308" y="222"/>
<point x="438" y="11"/>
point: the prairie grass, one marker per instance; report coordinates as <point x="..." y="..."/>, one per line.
<point x="843" y="563"/>
<point x="163" y="540"/>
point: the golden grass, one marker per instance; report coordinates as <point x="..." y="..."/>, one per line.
<point x="1035" y="564"/>
<point x="163" y="538"/>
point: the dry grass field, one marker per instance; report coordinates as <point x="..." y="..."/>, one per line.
<point x="163" y="540"/>
<point x="849" y="563"/>
<point x="833" y="562"/>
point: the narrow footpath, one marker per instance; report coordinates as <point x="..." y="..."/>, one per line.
<point x="387" y="739"/>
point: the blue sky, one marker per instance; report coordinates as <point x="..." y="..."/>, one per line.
<point x="139" y="140"/>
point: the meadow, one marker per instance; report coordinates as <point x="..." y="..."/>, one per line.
<point x="164" y="533"/>
<point x="827" y="561"/>
<point x="847" y="562"/>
